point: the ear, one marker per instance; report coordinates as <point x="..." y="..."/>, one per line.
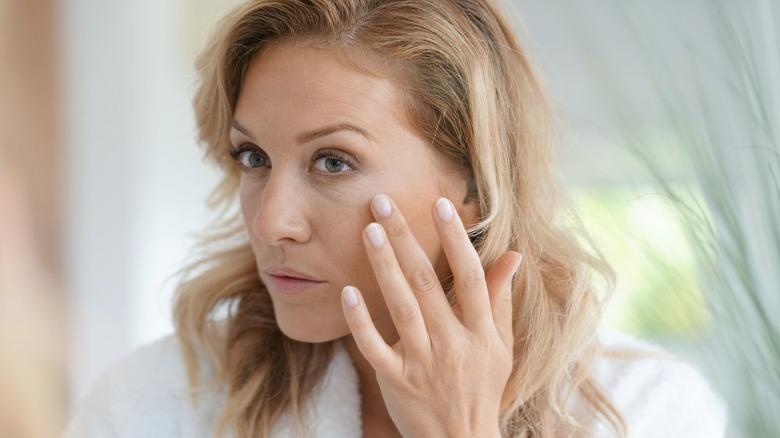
<point x="467" y="210"/>
<point x="462" y="191"/>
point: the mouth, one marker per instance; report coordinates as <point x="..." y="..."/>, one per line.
<point x="287" y="282"/>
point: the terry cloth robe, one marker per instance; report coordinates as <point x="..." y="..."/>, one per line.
<point x="145" y="395"/>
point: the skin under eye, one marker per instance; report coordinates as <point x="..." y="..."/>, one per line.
<point x="332" y="162"/>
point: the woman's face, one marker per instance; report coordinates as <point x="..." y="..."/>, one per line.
<point x="320" y="140"/>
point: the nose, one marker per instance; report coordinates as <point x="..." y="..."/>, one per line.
<point x="282" y="215"/>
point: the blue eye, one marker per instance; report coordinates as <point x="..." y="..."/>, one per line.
<point x="252" y="159"/>
<point x="331" y="162"/>
<point x="330" y="165"/>
<point x="249" y="158"/>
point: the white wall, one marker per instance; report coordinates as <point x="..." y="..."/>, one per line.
<point x="136" y="181"/>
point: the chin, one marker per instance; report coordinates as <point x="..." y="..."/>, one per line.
<point x="314" y="329"/>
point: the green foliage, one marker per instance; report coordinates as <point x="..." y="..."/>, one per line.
<point x="726" y="128"/>
<point x="657" y="293"/>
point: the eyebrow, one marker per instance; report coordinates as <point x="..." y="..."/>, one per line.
<point x="314" y="134"/>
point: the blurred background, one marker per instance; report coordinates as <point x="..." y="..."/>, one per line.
<point x="102" y="184"/>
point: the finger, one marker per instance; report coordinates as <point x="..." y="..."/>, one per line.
<point x="499" y="284"/>
<point x="401" y="303"/>
<point x="380" y="355"/>
<point x="415" y="265"/>
<point x="467" y="271"/>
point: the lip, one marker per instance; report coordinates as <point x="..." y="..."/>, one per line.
<point x="286" y="281"/>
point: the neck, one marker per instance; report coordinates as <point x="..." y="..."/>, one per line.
<point x="373" y="410"/>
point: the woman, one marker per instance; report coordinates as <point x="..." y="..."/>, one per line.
<point x="363" y="138"/>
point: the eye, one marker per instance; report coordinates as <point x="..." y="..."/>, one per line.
<point x="250" y="158"/>
<point x="331" y="162"/>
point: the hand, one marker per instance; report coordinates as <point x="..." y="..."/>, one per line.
<point x="446" y="374"/>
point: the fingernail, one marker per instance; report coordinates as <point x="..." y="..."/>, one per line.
<point x="350" y="296"/>
<point x="444" y="209"/>
<point x="375" y="235"/>
<point x="382" y="206"/>
<point x="517" y="263"/>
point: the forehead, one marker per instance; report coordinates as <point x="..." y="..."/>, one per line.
<point x="319" y="85"/>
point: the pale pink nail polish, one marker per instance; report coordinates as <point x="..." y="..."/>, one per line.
<point x="517" y="263"/>
<point x="382" y="206"/>
<point x="350" y="296"/>
<point x="375" y="235"/>
<point x="444" y="209"/>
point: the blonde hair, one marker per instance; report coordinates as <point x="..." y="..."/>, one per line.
<point x="468" y="86"/>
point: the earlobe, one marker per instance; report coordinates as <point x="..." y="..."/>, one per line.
<point x="469" y="206"/>
<point x="471" y="191"/>
<point x="469" y="215"/>
<point x="468" y="212"/>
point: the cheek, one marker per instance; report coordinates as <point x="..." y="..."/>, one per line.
<point x="339" y="226"/>
<point x="249" y="201"/>
<point x="417" y="213"/>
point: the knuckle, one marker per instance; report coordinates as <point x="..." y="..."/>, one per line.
<point x="482" y="332"/>
<point x="405" y="312"/>
<point x="396" y="227"/>
<point x="360" y="325"/>
<point x="385" y="263"/>
<point x="505" y="297"/>
<point x="423" y="280"/>
<point x="473" y="278"/>
<point x="456" y="235"/>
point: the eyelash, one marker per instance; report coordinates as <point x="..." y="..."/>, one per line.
<point x="236" y="153"/>
<point x="333" y="155"/>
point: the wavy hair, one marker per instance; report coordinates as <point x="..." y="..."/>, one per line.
<point x="468" y="86"/>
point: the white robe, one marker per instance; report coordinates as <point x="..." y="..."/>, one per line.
<point x="145" y="395"/>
